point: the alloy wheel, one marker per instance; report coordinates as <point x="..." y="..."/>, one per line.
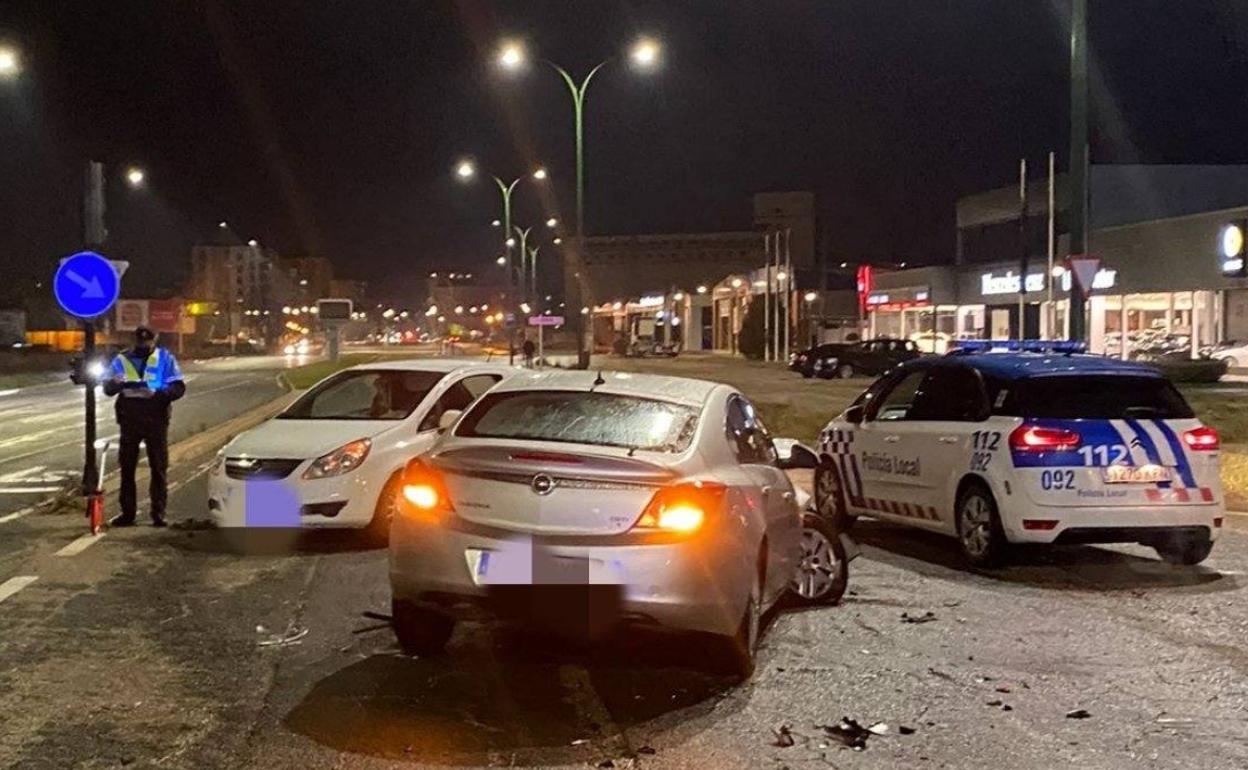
<point x="818" y="568"/>
<point x="976" y="525"/>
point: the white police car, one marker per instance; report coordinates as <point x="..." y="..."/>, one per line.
<point x="1035" y="443"/>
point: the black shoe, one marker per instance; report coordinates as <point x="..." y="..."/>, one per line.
<point x="158" y="520"/>
<point x="122" y="520"/>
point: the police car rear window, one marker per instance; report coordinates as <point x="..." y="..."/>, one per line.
<point x="1092" y="397"/>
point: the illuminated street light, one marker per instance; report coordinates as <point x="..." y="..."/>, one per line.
<point x="701" y="290"/>
<point x="557" y="241"/>
<point x="645" y="53"/>
<point x="780" y="276"/>
<point x="510" y="241"/>
<point x="459" y="310"/>
<point x="810" y="296"/>
<point x="501" y="261"/>
<point x="539" y="174"/>
<point x="135" y="176"/>
<point x="465" y="170"/>
<point x="552" y="222"/>
<point x="678" y="296"/>
<point x="511" y="56"/>
<point x="222" y="224"/>
<point x="736" y="283"/>
<point x="253" y="243"/>
<point x="525" y="308"/>
<point x="10" y="63"/>
<point x="496" y="223"/>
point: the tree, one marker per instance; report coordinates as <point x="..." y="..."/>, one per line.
<point x="753" y="339"/>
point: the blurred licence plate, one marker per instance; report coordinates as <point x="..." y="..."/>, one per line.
<point x="1136" y="474"/>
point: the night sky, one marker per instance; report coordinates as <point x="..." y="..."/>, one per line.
<point x="333" y="126"/>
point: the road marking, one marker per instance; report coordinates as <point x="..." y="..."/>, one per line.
<point x="28" y="491"/>
<point x="10" y="391"/>
<point x="80" y="545"/>
<point x="13" y="585"/>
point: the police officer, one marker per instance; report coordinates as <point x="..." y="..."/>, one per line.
<point x="146" y="380"/>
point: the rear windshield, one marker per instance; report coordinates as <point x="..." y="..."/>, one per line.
<point x="579" y="417"/>
<point x="1093" y="397"/>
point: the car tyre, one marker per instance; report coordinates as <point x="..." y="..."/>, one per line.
<point x="845" y="371"/>
<point x="823" y="573"/>
<point x="387" y="507"/>
<point x="830" y="498"/>
<point x="734" y="655"/>
<point x="420" y="631"/>
<point x="1185" y="551"/>
<point x="980" y="535"/>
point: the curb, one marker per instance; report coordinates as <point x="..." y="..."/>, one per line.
<point x="1236" y="520"/>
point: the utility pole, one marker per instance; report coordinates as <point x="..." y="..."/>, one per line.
<point x="1049" y="277"/>
<point x="93" y="234"/>
<point x="1078" y="171"/>
<point x="1022" y="240"/>
<point x="767" y="299"/>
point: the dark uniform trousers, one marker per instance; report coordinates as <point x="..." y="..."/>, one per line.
<point x="155" y="435"/>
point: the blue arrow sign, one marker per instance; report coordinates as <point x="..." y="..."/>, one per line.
<point x="86" y="285"/>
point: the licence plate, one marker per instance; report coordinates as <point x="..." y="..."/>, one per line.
<point x="1136" y="474"/>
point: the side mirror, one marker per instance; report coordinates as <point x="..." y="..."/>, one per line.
<point x="792" y="454"/>
<point x="448" y="419"/>
<point x="855" y="414"/>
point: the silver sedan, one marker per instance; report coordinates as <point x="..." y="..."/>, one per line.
<point x="584" y="500"/>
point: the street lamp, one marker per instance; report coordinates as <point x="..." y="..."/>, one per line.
<point x="465" y="170"/>
<point x="135" y="176"/>
<point x="10" y="63"/>
<point x="552" y="223"/>
<point x="645" y="55"/>
<point x="496" y="223"/>
<point x="501" y="261"/>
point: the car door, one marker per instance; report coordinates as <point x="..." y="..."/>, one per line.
<point x="887" y="463"/>
<point x="459" y="395"/>
<point x="942" y="430"/>
<point x="756" y="455"/>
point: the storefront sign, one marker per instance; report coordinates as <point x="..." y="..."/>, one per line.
<point x="991" y="283"/>
<point x="654" y="300"/>
<point x="1231" y="249"/>
<point x="864" y="286"/>
<point x="1105" y="278"/>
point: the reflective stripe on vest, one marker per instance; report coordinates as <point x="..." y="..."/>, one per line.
<point x="151" y="370"/>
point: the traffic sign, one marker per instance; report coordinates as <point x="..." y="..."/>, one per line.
<point x="1084" y="268"/>
<point x="86" y="285"/>
<point x="546" y="320"/>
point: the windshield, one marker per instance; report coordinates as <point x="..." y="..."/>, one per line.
<point x="582" y="418"/>
<point x="358" y="394"/>
<point x="1093" y="397"/>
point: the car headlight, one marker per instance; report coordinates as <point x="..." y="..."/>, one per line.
<point x="344" y="459"/>
<point x="96" y="370"/>
<point x="289" y="350"/>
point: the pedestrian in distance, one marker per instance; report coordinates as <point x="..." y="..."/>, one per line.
<point x="146" y="381"/>
<point x="529" y="349"/>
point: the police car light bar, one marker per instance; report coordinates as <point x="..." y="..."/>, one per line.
<point x="968" y="347"/>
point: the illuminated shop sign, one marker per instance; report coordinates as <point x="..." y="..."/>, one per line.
<point x="991" y="284"/>
<point x="1231" y="249"/>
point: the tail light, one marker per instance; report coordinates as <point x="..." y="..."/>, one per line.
<point x="424" y="491"/>
<point x="1034" y="438"/>
<point x="1202" y="439"/>
<point x="681" y="507"/>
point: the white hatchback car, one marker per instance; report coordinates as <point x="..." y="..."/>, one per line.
<point x="589" y="499"/>
<point x="335" y="456"/>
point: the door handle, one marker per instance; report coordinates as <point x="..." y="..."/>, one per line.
<point x="767" y="491"/>
<point x="948" y="439"/>
<point x="892" y="439"/>
<point x="788" y="496"/>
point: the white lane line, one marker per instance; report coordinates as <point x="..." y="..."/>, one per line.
<point x="15" y="515"/>
<point x="80" y="545"/>
<point x="13" y="585"/>
<point x="10" y="391"/>
<point x="28" y="491"/>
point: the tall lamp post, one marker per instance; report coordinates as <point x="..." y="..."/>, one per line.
<point x="1078" y="171"/>
<point x="466" y="170"/>
<point x="645" y="55"/>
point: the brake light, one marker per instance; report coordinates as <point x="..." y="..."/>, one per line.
<point x="424" y="490"/>
<point x="681" y="507"/>
<point x="1202" y="439"/>
<point x="1034" y="438"/>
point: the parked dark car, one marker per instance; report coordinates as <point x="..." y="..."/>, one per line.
<point x="871" y="357"/>
<point x="803" y="361"/>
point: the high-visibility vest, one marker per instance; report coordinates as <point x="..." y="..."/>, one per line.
<point x="151" y="370"/>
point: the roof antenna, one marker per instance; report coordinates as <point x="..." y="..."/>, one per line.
<point x="598" y="380"/>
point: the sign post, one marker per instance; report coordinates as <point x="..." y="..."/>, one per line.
<point x="86" y="285"/>
<point x="333" y="314"/>
<point x="541" y="322"/>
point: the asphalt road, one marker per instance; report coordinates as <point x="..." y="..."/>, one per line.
<point x="41" y="427"/>
<point x="179" y="648"/>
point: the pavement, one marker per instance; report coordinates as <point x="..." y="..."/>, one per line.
<point x="185" y="648"/>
